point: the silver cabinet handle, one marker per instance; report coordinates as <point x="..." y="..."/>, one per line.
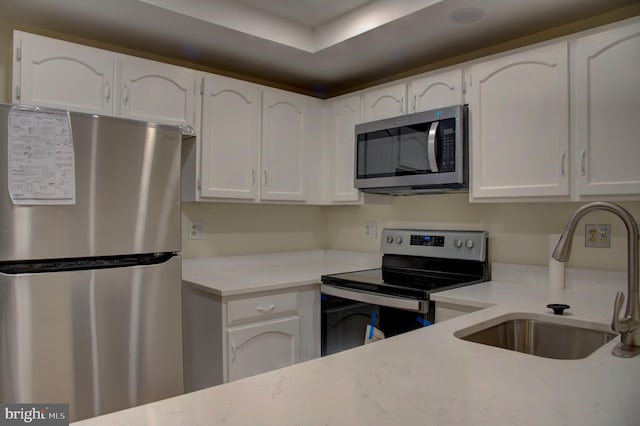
<point x="266" y="309"/>
<point x="431" y="146"/>
<point x="107" y="95"/>
<point x="583" y="163"/>
<point x="253" y="176"/>
<point x="415" y="103"/>
<point x="265" y="177"/>
<point x="563" y="172"/>
<point x="402" y="105"/>
<point x="233" y="352"/>
<point x="125" y="95"/>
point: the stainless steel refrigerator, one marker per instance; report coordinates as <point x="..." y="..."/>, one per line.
<point x="90" y="267"/>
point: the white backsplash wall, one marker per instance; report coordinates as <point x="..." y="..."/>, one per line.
<point x="518" y="232"/>
<point x="234" y="229"/>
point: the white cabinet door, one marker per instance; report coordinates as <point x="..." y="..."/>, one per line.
<point x="283" y="140"/>
<point x="153" y="91"/>
<point x="57" y="74"/>
<point x="260" y="348"/>
<point x="436" y="91"/>
<point x="520" y="124"/>
<point x="607" y="106"/>
<point x="230" y="138"/>
<point x="385" y="102"/>
<point x="345" y="114"/>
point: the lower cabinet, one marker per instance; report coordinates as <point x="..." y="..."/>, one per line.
<point x="256" y="349"/>
<point x="230" y="338"/>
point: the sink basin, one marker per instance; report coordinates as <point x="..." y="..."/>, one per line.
<point x="538" y="335"/>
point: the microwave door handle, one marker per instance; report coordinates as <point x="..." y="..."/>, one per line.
<point x="431" y="146"/>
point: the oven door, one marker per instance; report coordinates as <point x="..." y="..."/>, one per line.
<point x="346" y="314"/>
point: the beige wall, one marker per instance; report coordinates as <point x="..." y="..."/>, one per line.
<point x="232" y="229"/>
<point x="518" y="232"/>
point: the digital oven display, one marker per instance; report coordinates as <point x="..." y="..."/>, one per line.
<point x="427" y="240"/>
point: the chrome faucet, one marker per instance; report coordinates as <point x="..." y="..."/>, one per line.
<point x="629" y="326"/>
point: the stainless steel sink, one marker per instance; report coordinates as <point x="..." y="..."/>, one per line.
<point x="538" y="335"/>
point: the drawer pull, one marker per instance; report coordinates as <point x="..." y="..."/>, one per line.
<point x="266" y="309"/>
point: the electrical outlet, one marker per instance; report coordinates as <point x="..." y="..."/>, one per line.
<point x="371" y="229"/>
<point x="597" y="235"/>
<point x="196" y="231"/>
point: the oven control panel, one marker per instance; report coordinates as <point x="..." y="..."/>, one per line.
<point x="469" y="245"/>
<point x="427" y="240"/>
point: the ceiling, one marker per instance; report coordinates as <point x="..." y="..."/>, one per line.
<point x="318" y="47"/>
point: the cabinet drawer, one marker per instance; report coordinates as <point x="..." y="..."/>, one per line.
<point x="263" y="306"/>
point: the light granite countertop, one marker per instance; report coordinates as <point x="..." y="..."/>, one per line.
<point x="236" y="275"/>
<point x="430" y="377"/>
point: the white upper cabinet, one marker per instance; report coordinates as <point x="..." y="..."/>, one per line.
<point x="386" y="102"/>
<point x="436" y="91"/>
<point x="230" y="138"/>
<point x="607" y="112"/>
<point x="345" y="114"/>
<point x="284" y="116"/>
<point x="57" y="74"/>
<point x="519" y="113"/>
<point x="153" y="91"/>
<point x="54" y="73"/>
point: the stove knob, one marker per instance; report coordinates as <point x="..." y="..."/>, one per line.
<point x="470" y="244"/>
<point x="457" y="243"/>
<point x="389" y="239"/>
<point x="398" y="240"/>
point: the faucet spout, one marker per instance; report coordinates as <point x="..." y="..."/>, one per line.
<point x="629" y="326"/>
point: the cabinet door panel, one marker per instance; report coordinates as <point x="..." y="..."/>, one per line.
<point x="152" y="91"/>
<point x="386" y="102"/>
<point x="57" y="74"/>
<point x="230" y="138"/>
<point x="283" y="136"/>
<point x="520" y="124"/>
<point x="345" y="114"/>
<point x="607" y="105"/>
<point x="260" y="348"/>
<point x="437" y="91"/>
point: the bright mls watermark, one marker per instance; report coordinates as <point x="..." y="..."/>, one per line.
<point x="34" y="414"/>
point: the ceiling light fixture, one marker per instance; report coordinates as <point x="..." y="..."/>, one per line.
<point x="466" y="15"/>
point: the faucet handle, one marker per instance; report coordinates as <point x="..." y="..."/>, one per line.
<point x="618" y="325"/>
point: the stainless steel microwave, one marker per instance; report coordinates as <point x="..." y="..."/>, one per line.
<point x="425" y="152"/>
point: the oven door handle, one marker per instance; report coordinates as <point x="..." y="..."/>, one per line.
<point x="376" y="299"/>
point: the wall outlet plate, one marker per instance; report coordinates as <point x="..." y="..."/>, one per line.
<point x="196" y="231"/>
<point x="371" y="229"/>
<point x="597" y="235"/>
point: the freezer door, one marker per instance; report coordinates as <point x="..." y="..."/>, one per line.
<point x="101" y="340"/>
<point x="127" y="176"/>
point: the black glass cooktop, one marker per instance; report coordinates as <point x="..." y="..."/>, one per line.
<point x="416" y="278"/>
<point x="397" y="283"/>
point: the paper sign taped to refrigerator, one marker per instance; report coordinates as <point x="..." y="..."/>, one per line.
<point x="41" y="161"/>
